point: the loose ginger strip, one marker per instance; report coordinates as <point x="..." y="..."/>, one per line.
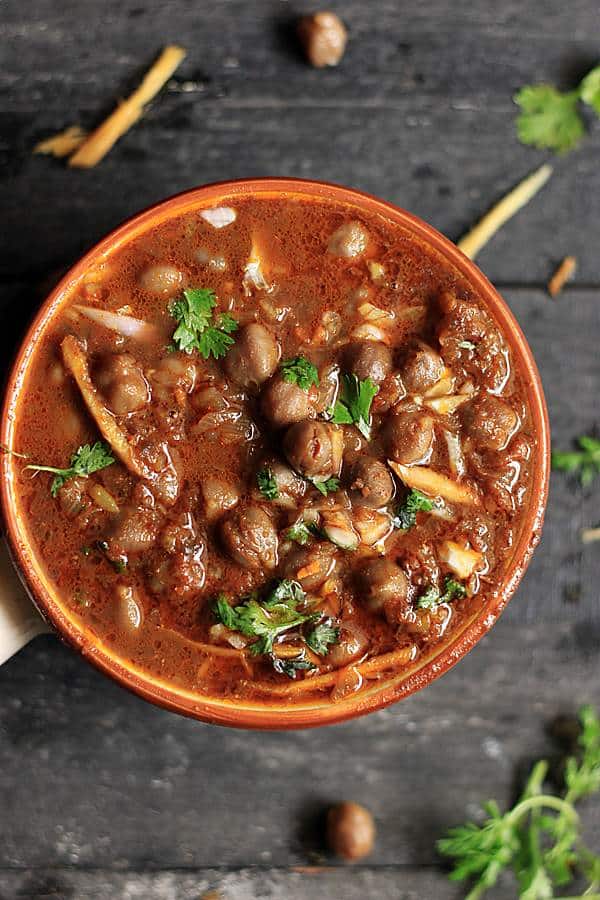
<point x="435" y="484"/>
<point x="100" y="141"/>
<point x="472" y="242"/>
<point x="565" y="271"/>
<point x="76" y="363"/>
<point x="62" y="144"/>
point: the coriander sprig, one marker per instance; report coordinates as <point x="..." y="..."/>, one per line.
<point x="275" y="614"/>
<point x="406" y="514"/>
<point x="585" y="461"/>
<point x="198" y="328"/>
<point x="551" y="119"/>
<point x="86" y="460"/>
<point x="300" y="371"/>
<point x="267" y="483"/>
<point x="539" y="838"/>
<point x="431" y="598"/>
<point x="354" y="405"/>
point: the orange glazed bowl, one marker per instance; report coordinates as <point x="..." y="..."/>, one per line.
<point x="276" y="714"/>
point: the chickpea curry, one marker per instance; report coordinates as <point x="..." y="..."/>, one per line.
<point x="277" y="448"/>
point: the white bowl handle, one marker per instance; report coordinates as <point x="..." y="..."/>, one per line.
<point x="19" y="619"/>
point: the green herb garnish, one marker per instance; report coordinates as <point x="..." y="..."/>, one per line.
<point x="197" y="328"/>
<point x="301" y="533"/>
<point x="272" y="616"/>
<point x="551" y="119"/>
<point x="328" y="486"/>
<point x="586" y="460"/>
<point x="406" y="515"/>
<point x="300" y="371"/>
<point x="291" y="667"/>
<point x="539" y="838"/>
<point x="264" y="620"/>
<point x="86" y="460"/>
<point x="354" y="405"/>
<point x="267" y="484"/>
<point x="322" y="637"/>
<point x="431" y="598"/>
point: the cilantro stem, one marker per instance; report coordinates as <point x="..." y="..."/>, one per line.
<point x="538" y="801"/>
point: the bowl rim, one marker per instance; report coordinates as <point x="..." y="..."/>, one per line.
<point x="271" y="716"/>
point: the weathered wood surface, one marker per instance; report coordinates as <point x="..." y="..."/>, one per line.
<point x="102" y="796"/>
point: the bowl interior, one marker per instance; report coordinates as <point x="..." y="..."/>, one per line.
<point x="272" y="714"/>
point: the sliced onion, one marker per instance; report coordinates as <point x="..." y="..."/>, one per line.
<point x="370" y="332"/>
<point x="375" y="313"/>
<point x="219" y="216"/>
<point x="455" y="454"/>
<point x="125" y="325"/>
<point x="130" y="608"/>
<point x="227" y="425"/>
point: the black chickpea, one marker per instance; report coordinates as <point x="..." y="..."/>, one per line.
<point x="323" y="36"/>
<point x="350" y="831"/>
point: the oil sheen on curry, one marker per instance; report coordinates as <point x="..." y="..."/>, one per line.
<point x="274" y="449"/>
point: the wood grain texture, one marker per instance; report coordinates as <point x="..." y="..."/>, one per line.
<point x="102" y="796"/>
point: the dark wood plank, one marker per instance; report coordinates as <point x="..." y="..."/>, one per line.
<point x="351" y="883"/>
<point x="91" y="776"/>
<point x="420" y="112"/>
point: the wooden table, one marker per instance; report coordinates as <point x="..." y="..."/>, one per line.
<point x="103" y="796"/>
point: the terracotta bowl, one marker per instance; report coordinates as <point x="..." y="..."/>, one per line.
<point x="256" y="715"/>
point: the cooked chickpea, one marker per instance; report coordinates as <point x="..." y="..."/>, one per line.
<point x="349" y="240"/>
<point x="386" y="589"/>
<point x="409" y="437"/>
<point x="421" y="368"/>
<point x="490" y="421"/>
<point x="314" y="449"/>
<point x="283" y="403"/>
<point x="254" y="356"/>
<point x="160" y="279"/>
<point x="323" y="36"/>
<point x="350" y="831"/>
<point x="369" y="359"/>
<point x="122" y="381"/>
<point x="249" y="536"/>
<point x="370" y="482"/>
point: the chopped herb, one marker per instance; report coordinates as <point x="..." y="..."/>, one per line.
<point x="267" y="620"/>
<point x="300" y="533"/>
<point x="80" y="598"/>
<point x="197" y="327"/>
<point x="467" y="345"/>
<point x="550" y="119"/>
<point x="406" y="515"/>
<point x="291" y="667"/>
<point x="86" y="551"/>
<point x="119" y="565"/>
<point x="431" y="598"/>
<point x="586" y="460"/>
<point x="330" y="485"/>
<point x="453" y="590"/>
<point x="86" y="460"/>
<point x="267" y="484"/>
<point x="322" y="636"/>
<point x="539" y="838"/>
<point x="300" y="371"/>
<point x="354" y="406"/>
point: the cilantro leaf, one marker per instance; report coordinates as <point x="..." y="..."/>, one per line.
<point x="300" y="533"/>
<point x="86" y="460"/>
<point x="406" y="515"/>
<point x="586" y="460"/>
<point x="431" y="598"/>
<point x="322" y="636"/>
<point x="329" y="485"/>
<point x="539" y="838"/>
<point x="589" y="89"/>
<point x="267" y="620"/>
<point x="549" y="119"/>
<point x="197" y="327"/>
<point x="300" y="371"/>
<point x="354" y="405"/>
<point x="267" y="484"/>
<point x="291" y="667"/>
